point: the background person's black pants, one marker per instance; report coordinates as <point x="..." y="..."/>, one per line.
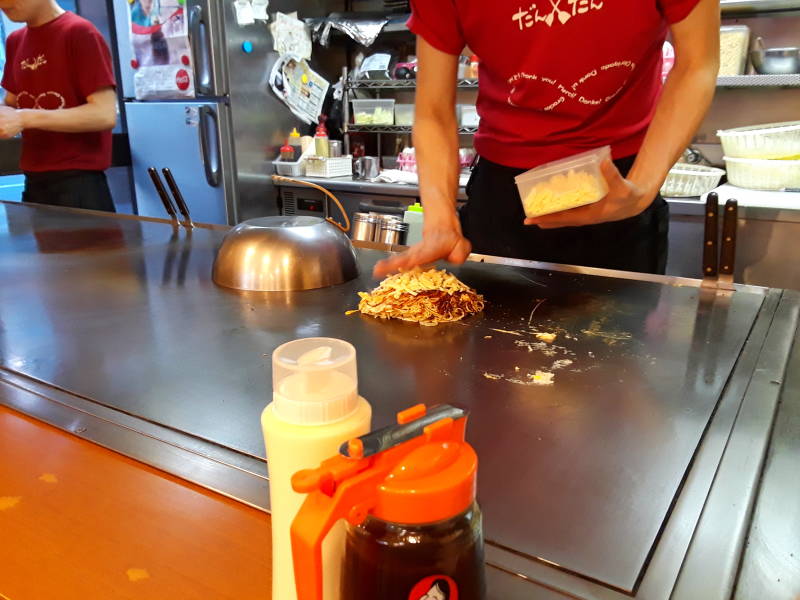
<point x="493" y="221"/>
<point x="74" y="189"/>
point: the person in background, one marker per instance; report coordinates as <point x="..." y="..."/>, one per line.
<point x="556" y="79"/>
<point x="60" y="94"/>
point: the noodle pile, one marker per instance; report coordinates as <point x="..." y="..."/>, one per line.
<point x="426" y="297"/>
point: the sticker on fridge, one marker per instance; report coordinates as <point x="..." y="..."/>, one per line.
<point x="162" y="56"/>
<point x="436" y="587"/>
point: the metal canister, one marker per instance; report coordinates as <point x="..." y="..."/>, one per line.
<point x="381" y="221"/>
<point x="394" y="232"/>
<point x="336" y="148"/>
<point x="364" y="226"/>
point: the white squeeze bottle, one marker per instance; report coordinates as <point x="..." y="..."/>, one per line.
<point x="315" y="409"/>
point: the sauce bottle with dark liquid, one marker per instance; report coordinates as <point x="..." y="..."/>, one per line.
<point x="408" y="493"/>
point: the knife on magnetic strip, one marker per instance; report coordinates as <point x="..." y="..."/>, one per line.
<point x="727" y="253"/>
<point x="710" y="240"/>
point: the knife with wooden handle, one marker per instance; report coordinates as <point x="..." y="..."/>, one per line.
<point x="162" y="193"/>
<point x="727" y="254"/>
<point x="711" y="238"/>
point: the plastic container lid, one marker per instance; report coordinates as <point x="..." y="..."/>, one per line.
<point x="416" y="207"/>
<point x="314" y="381"/>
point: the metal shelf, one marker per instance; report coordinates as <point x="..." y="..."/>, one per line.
<point x="401" y="84"/>
<point x="759" y="81"/>
<point x="398" y="129"/>
<point x="751" y="7"/>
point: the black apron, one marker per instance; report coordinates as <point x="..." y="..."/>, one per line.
<point x="74" y="189"/>
<point x="493" y="219"/>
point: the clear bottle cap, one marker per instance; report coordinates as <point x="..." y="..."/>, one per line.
<point x="314" y="381"/>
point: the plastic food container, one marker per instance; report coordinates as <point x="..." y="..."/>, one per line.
<point x="686" y="180"/>
<point x="289" y="169"/>
<point x="318" y="166"/>
<point x="734" y="41"/>
<point x="373" y="112"/>
<point x="761" y="174"/>
<point x="403" y="114"/>
<point x="467" y="115"/>
<point x="773" y="140"/>
<point x="563" y="184"/>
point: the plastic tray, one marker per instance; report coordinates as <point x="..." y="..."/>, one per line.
<point x="686" y="180"/>
<point x="340" y="166"/>
<point x="563" y="184"/>
<point x="289" y="169"/>
<point x="760" y="174"/>
<point x="373" y="112"/>
<point x="773" y="140"/>
<point x="403" y="114"/>
<point x="467" y="115"/>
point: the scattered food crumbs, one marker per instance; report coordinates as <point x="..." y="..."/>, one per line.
<point x="48" y="478"/>
<point x="560" y="364"/>
<point x="135" y="575"/>
<point x="492" y="376"/>
<point x="542" y="378"/>
<point x="516" y="369"/>
<point x="546" y="337"/>
<point x="351" y="312"/>
<point x="506" y="331"/>
<point x="7" y="502"/>
<point x="487" y="337"/>
<point x="591" y="354"/>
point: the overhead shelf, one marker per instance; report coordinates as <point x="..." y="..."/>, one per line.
<point x="401" y="84"/>
<point x="756" y="81"/>
<point x="398" y="129"/>
<point x="750" y="7"/>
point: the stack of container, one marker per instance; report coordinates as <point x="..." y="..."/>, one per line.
<point x="763" y="157"/>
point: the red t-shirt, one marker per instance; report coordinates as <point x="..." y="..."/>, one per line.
<point x="57" y="66"/>
<point x="557" y="77"/>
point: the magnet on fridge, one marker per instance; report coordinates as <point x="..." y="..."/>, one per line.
<point x="247" y="46"/>
<point x="185" y="60"/>
<point x="134" y="63"/>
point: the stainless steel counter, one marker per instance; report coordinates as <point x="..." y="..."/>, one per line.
<point x="599" y="486"/>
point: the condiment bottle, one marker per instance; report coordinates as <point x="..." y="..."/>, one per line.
<point x="415" y="218"/>
<point x="294" y="142"/>
<point x="315" y="408"/>
<point x="408" y="494"/>
<point x="321" y="146"/>
<point x="287" y="152"/>
<point x="473" y="66"/>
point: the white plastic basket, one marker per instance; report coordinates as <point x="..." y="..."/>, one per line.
<point x="758" y="174"/>
<point x="686" y="180"/>
<point x="773" y="140"/>
<point x="289" y="169"/>
<point x="340" y="166"/>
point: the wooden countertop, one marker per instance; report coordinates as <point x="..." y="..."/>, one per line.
<point x="81" y="522"/>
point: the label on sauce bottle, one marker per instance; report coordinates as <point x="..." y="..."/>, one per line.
<point x="435" y="587"/>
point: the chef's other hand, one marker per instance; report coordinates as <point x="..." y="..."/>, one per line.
<point x="624" y="199"/>
<point x="10" y="122"/>
<point x="437" y="243"/>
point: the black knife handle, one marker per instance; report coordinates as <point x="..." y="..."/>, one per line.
<point x="730" y="222"/>
<point x="176" y="193"/>
<point x="711" y="236"/>
<point x="162" y="193"/>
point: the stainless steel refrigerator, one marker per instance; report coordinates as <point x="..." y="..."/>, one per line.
<point x="219" y="145"/>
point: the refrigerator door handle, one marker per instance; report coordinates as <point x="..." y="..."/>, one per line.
<point x="201" y="51"/>
<point x="211" y="160"/>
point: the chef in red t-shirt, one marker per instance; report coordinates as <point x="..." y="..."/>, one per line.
<point x="558" y="77"/>
<point x="60" y="95"/>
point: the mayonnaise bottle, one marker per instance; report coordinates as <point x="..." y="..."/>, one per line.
<point x="315" y="408"/>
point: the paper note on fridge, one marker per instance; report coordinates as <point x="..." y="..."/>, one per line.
<point x="290" y="36"/>
<point x="260" y="10"/>
<point x="244" y="12"/>
<point x="299" y="87"/>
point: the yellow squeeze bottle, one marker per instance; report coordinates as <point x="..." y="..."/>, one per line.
<point x="315" y="409"/>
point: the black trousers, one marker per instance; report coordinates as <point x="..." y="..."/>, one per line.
<point x="74" y="189"/>
<point x="493" y="219"/>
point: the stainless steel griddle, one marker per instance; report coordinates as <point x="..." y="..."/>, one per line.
<point x="112" y="328"/>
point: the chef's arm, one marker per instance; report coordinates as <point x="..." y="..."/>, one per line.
<point x="436" y="147"/>
<point x="685" y="99"/>
<point x="10" y="100"/>
<point x="98" y="114"/>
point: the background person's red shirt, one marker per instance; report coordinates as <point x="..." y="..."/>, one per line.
<point x="557" y="77"/>
<point x="58" y="65"/>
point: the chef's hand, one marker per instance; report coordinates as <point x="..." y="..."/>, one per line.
<point x="438" y="242"/>
<point x="624" y="199"/>
<point x="10" y="123"/>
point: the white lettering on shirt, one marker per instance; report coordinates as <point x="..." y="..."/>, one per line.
<point x="33" y="63"/>
<point x="525" y="18"/>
